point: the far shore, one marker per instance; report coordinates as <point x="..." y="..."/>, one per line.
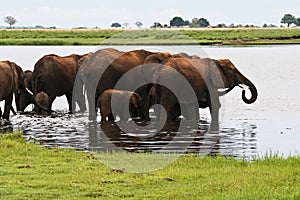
<point x="159" y="36"/>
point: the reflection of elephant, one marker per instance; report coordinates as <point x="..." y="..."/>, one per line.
<point x="111" y="65"/>
<point x="55" y="76"/>
<point x="11" y="81"/>
<point x="118" y="106"/>
<point x="23" y="98"/>
<point x="205" y="76"/>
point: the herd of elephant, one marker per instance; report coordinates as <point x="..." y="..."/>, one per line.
<point x="124" y="83"/>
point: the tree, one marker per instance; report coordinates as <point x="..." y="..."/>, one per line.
<point x="194" y="23"/>
<point x="288" y="19"/>
<point x="10" y="20"/>
<point x="156" y="25"/>
<point x="203" y="22"/>
<point x="138" y="24"/>
<point x="116" y="25"/>
<point x="298" y="22"/>
<point x="177" y="21"/>
<point x="199" y="23"/>
<point x="126" y="24"/>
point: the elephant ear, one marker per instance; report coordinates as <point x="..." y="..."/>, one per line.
<point x="216" y="73"/>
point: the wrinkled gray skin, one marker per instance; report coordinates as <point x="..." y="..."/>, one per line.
<point x="119" y="105"/>
<point x="11" y="81"/>
<point x="111" y="65"/>
<point x="205" y="76"/>
<point x="55" y="76"/>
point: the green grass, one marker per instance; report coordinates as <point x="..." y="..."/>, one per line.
<point x="238" y="36"/>
<point x="28" y="171"/>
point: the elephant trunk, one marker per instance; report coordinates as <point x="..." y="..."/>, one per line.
<point x="253" y="91"/>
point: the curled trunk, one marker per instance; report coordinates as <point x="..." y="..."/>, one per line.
<point x="253" y="91"/>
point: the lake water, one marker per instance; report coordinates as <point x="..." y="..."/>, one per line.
<point x="271" y="124"/>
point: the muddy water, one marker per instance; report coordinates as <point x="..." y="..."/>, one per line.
<point x="75" y="131"/>
<point x="270" y="124"/>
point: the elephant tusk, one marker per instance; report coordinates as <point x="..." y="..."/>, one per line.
<point x="244" y="86"/>
<point x="29" y="91"/>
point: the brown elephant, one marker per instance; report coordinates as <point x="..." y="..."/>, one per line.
<point x="55" y="76"/>
<point x="11" y="81"/>
<point x="205" y="76"/>
<point x="119" y="106"/>
<point x="105" y="68"/>
<point x="42" y="99"/>
<point x="23" y="98"/>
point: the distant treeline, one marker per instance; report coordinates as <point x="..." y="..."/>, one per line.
<point x="181" y="36"/>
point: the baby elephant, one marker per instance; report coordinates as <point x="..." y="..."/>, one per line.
<point x="42" y="99"/>
<point x="119" y="104"/>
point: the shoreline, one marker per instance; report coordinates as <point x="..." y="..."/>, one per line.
<point x="180" y="36"/>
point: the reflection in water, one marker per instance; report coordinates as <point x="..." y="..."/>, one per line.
<point x="75" y="131"/>
<point x="5" y="126"/>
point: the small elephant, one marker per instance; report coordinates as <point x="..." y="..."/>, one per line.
<point x="117" y="104"/>
<point x="42" y="99"/>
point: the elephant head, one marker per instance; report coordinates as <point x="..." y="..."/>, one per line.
<point x="231" y="77"/>
<point x="137" y="108"/>
<point x="24" y="97"/>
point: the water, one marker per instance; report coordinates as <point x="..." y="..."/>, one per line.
<point x="270" y="124"/>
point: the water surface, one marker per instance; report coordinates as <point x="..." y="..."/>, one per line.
<point x="270" y="124"/>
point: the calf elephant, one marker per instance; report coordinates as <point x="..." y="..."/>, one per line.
<point x="11" y="80"/>
<point x="105" y="67"/>
<point x="55" y="76"/>
<point x="205" y="76"/>
<point x="118" y="105"/>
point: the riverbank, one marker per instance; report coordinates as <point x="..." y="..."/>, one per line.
<point x="29" y="171"/>
<point x="226" y="36"/>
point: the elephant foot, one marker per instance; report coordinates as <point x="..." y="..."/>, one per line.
<point x="214" y="128"/>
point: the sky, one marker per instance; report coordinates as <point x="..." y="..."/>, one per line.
<point x="102" y="13"/>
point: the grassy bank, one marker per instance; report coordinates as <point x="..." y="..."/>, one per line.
<point x="28" y="171"/>
<point x="236" y="36"/>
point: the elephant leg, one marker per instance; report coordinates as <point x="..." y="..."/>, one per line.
<point x="7" y="107"/>
<point x="70" y="102"/>
<point x="103" y="117"/>
<point x="192" y="111"/>
<point x="111" y="117"/>
<point x="214" y="111"/>
<point x="51" y="100"/>
<point x="0" y="113"/>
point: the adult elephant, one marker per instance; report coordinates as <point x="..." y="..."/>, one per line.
<point x="205" y="76"/>
<point x="11" y="81"/>
<point x="23" y="98"/>
<point x="55" y="76"/>
<point x="105" y="68"/>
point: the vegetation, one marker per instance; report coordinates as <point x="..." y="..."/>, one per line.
<point x="10" y="20"/>
<point x="223" y="36"/>
<point x="28" y="171"/>
<point x="289" y="19"/>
